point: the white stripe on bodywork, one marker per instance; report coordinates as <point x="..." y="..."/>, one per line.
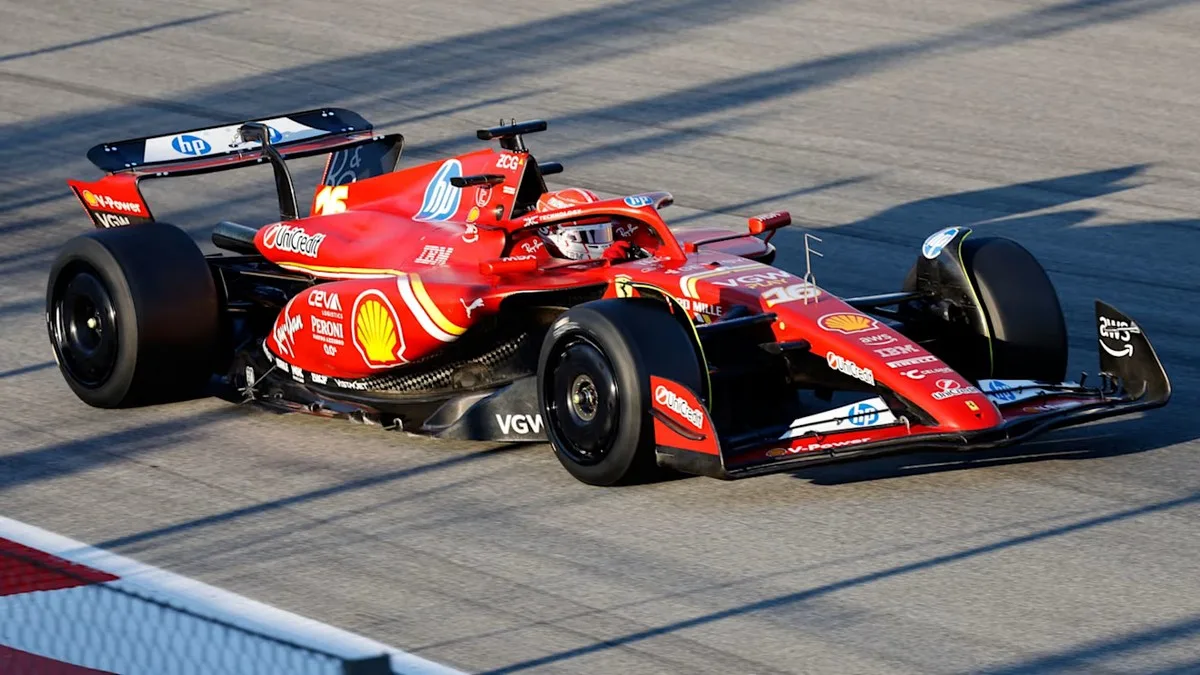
<point x="415" y="308"/>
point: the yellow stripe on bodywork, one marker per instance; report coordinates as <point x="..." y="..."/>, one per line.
<point x="424" y="302"/>
<point x="695" y="336"/>
<point x="431" y="308"/>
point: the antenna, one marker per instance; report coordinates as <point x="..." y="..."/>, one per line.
<point x="809" y="252"/>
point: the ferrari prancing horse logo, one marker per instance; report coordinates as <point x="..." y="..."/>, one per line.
<point x="623" y="286"/>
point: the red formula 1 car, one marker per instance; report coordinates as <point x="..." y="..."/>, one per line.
<point x="461" y="299"/>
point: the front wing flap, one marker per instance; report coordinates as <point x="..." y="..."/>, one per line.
<point x="1132" y="378"/>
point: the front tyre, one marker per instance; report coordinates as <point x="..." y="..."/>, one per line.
<point x="1020" y="332"/>
<point x="594" y="385"/>
<point x="132" y="315"/>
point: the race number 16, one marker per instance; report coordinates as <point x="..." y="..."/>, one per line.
<point x="776" y="296"/>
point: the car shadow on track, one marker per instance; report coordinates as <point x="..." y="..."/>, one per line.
<point x="75" y="456"/>
<point x="387" y="478"/>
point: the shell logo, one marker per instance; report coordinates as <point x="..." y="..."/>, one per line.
<point x="377" y="330"/>
<point x="90" y="199"/>
<point x="847" y="323"/>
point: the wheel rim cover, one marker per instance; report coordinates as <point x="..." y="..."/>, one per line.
<point x="84" y="329"/>
<point x="583" y="402"/>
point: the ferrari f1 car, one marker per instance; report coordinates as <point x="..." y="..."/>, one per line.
<point x="431" y="298"/>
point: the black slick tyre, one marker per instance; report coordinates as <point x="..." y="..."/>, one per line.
<point x="1029" y="333"/>
<point x="132" y="315"/>
<point x="1026" y="333"/>
<point x="594" y="385"/>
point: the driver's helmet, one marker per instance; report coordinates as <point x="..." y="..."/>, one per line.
<point x="576" y="241"/>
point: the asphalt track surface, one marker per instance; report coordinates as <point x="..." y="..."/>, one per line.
<point x="1070" y="126"/>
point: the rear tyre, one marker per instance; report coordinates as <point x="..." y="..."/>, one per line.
<point x="132" y="315"/>
<point x="1022" y="313"/>
<point x="594" y="385"/>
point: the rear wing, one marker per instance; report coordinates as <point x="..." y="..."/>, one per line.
<point x="355" y="153"/>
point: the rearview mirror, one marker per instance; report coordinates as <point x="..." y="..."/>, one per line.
<point x="769" y="222"/>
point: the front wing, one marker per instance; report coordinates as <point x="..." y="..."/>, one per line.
<point x="1131" y="378"/>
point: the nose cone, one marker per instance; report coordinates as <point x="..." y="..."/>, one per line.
<point x="850" y="342"/>
<point x="867" y="349"/>
<point x="959" y="405"/>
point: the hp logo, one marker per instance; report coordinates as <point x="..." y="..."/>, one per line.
<point x="863" y="414"/>
<point x="187" y="144"/>
<point x="441" y="198"/>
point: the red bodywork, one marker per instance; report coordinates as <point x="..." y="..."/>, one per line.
<point x="407" y="262"/>
<point x="407" y="255"/>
